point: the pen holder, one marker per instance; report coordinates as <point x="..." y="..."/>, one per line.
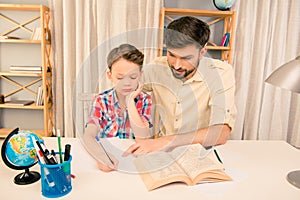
<point x="56" y="179"/>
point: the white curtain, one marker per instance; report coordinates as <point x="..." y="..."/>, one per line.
<point x="267" y="36"/>
<point x="83" y="31"/>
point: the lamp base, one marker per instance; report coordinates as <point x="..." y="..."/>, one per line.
<point x="294" y="178"/>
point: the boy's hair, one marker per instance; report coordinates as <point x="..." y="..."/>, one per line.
<point x="185" y="31"/>
<point x="126" y="51"/>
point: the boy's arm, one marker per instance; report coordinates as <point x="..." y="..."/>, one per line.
<point x="96" y="150"/>
<point x="138" y="125"/>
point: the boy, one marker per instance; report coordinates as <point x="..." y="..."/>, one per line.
<point x="122" y="111"/>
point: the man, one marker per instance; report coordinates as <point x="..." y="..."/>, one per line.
<point x="194" y="95"/>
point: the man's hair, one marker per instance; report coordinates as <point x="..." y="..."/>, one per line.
<point x="185" y="31"/>
<point x="126" y="51"/>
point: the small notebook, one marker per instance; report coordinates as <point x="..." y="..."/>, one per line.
<point x="19" y="102"/>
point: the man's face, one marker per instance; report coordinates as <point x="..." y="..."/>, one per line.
<point x="184" y="61"/>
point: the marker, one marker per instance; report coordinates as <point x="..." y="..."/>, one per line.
<point x="42" y="152"/>
<point x="67" y="152"/>
<point x="39" y="153"/>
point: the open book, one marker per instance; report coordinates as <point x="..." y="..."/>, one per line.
<point x="183" y="164"/>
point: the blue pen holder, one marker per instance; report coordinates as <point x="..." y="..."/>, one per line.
<point x="56" y="179"/>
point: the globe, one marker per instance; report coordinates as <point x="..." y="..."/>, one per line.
<point x="18" y="152"/>
<point x="223" y="4"/>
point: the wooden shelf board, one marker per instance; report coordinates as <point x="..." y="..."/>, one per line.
<point x="31" y="106"/>
<point x="23" y="41"/>
<point x="5" y="131"/>
<point x="22" y="7"/>
<point x="217" y="48"/>
<point x="208" y="13"/>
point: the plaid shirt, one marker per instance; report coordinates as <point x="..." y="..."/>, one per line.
<point x="106" y="114"/>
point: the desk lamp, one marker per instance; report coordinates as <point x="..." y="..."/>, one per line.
<point x="287" y="76"/>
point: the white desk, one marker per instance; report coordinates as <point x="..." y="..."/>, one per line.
<point x="259" y="170"/>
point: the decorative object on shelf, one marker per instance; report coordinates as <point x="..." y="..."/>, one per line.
<point x="223" y="4"/>
<point x="6" y="37"/>
<point x="18" y="152"/>
<point x="288" y="77"/>
<point x="1" y="98"/>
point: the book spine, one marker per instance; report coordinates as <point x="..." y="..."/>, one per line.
<point x="227" y="39"/>
<point x="223" y="39"/>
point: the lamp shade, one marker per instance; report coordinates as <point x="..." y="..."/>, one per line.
<point x="287" y="76"/>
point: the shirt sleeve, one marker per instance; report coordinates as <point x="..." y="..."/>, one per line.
<point x="222" y="100"/>
<point x="144" y="107"/>
<point x="95" y="113"/>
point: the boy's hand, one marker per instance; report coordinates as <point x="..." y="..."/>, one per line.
<point x="106" y="165"/>
<point x="132" y="95"/>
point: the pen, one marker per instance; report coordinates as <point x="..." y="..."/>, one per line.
<point x="215" y="151"/>
<point x="98" y="140"/>
<point x="59" y="146"/>
<point x="218" y="156"/>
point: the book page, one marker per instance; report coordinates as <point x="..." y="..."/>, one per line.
<point x="188" y="157"/>
<point x="116" y="147"/>
<point x="158" y="168"/>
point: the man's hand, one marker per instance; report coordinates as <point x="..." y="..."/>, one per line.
<point x="143" y="146"/>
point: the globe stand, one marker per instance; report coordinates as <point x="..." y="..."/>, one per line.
<point x="27" y="177"/>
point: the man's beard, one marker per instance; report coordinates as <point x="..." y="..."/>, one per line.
<point x="181" y="76"/>
<point x="186" y="72"/>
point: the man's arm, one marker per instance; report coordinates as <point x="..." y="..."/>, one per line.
<point x="211" y="136"/>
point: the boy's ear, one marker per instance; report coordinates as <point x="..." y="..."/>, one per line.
<point x="108" y="74"/>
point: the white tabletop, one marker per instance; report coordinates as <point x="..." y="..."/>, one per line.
<point x="259" y="170"/>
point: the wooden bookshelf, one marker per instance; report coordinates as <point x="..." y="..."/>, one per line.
<point x="41" y="17"/>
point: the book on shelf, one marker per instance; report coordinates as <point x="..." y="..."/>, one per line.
<point x="225" y="39"/>
<point x="19" y="102"/>
<point x="183" y="164"/>
<point x="36" y="34"/>
<point x="39" y="97"/>
<point x="7" y="37"/>
<point x="26" y="69"/>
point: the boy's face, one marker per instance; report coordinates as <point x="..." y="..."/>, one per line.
<point x="184" y="61"/>
<point x="125" y="75"/>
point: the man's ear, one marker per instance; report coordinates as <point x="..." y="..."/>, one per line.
<point x="202" y="52"/>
